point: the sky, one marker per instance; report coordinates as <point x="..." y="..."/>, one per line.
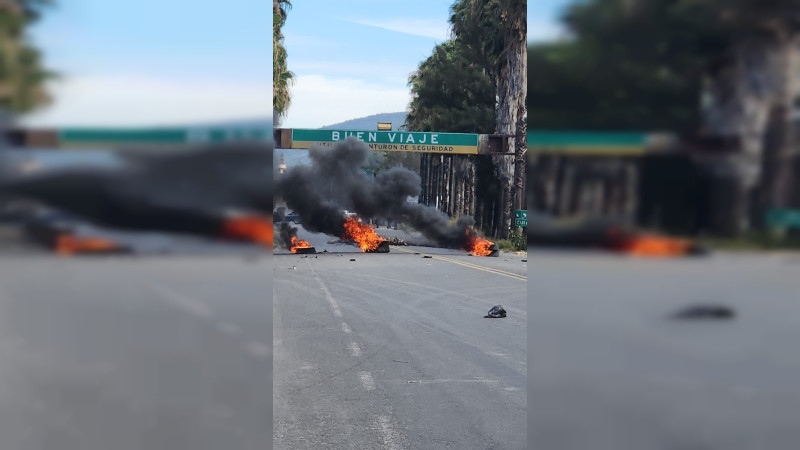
<point x="155" y="62"/>
<point x="175" y="62"/>
<point x="355" y="62"/>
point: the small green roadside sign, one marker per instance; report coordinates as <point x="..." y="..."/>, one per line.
<point x="783" y="218"/>
<point x="521" y="218"/>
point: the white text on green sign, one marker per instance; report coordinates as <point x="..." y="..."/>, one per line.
<point x="391" y="140"/>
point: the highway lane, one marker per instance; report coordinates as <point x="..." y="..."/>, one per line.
<point x="135" y="352"/>
<point x="610" y="370"/>
<point x="392" y="351"/>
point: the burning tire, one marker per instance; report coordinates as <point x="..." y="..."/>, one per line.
<point x="383" y="247"/>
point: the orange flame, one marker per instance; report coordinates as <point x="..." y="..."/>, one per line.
<point x="67" y="244"/>
<point x="478" y="245"/>
<point x="655" y="246"/>
<point x="299" y="243"/>
<point x="363" y="234"/>
<point x="250" y="228"/>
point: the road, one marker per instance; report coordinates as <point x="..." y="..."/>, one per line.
<point x="391" y="351"/>
<point x="611" y="370"/>
<point x="135" y="352"/>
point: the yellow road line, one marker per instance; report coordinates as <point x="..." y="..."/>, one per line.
<point x="472" y="266"/>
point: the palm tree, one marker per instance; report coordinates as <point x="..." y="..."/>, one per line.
<point x="281" y="76"/>
<point x="753" y="93"/>
<point x="496" y="31"/>
<point x="22" y="75"/>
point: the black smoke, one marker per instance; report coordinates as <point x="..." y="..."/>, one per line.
<point x="192" y="190"/>
<point x="335" y="181"/>
<point x="285" y="233"/>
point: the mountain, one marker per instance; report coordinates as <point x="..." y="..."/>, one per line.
<point x="370" y="122"/>
<point x="363" y="123"/>
<point x="235" y="124"/>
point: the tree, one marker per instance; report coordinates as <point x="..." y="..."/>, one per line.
<point x="22" y="75"/>
<point x="652" y="62"/>
<point x="281" y="76"/>
<point x="450" y="93"/>
<point x="495" y="31"/>
<point x="575" y="86"/>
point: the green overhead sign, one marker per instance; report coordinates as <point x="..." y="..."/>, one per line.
<point x="73" y="137"/>
<point x="397" y="141"/>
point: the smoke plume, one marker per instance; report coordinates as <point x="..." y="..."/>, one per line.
<point x="190" y="190"/>
<point x="334" y="182"/>
<point x="286" y="233"/>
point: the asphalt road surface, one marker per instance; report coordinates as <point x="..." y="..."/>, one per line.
<point x="611" y="370"/>
<point x="391" y="351"/>
<point x="135" y="352"/>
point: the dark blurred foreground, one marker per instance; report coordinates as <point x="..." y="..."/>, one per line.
<point x="165" y="345"/>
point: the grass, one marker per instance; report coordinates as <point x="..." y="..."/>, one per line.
<point x="755" y="241"/>
<point x="516" y="243"/>
<point x="506" y="245"/>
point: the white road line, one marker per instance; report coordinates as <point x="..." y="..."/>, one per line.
<point x="366" y="380"/>
<point x="187" y="304"/>
<point x="329" y="297"/>
<point x="345" y="327"/>
<point x="448" y="380"/>
<point x="388" y="433"/>
<point x="355" y="350"/>
<point x="257" y="349"/>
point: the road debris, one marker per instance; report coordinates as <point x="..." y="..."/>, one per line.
<point x="712" y="312"/>
<point x="496" y="312"/>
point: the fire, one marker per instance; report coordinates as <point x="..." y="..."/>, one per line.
<point x="363" y="234"/>
<point x="67" y="244"/>
<point x="478" y="245"/>
<point x="299" y="243"/>
<point x="256" y="229"/>
<point x="655" y="246"/>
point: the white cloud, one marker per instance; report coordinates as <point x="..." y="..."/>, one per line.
<point x="436" y="29"/>
<point x="145" y="101"/>
<point x="545" y="31"/>
<point x="319" y="101"/>
<point x="375" y="70"/>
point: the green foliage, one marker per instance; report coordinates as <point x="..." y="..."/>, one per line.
<point x="450" y="93"/>
<point x="755" y="240"/>
<point x="282" y="78"/>
<point x="640" y="65"/>
<point x="516" y="242"/>
<point x="22" y="72"/>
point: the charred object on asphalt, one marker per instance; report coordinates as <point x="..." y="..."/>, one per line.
<point x="394" y="240"/>
<point x="383" y="247"/>
<point x="62" y="239"/>
<point x="497" y="312"/>
<point x="705" y="312"/>
<point x="608" y="234"/>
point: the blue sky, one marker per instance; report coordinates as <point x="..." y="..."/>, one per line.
<point x="153" y="62"/>
<point x="356" y="61"/>
<point x="172" y="62"/>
